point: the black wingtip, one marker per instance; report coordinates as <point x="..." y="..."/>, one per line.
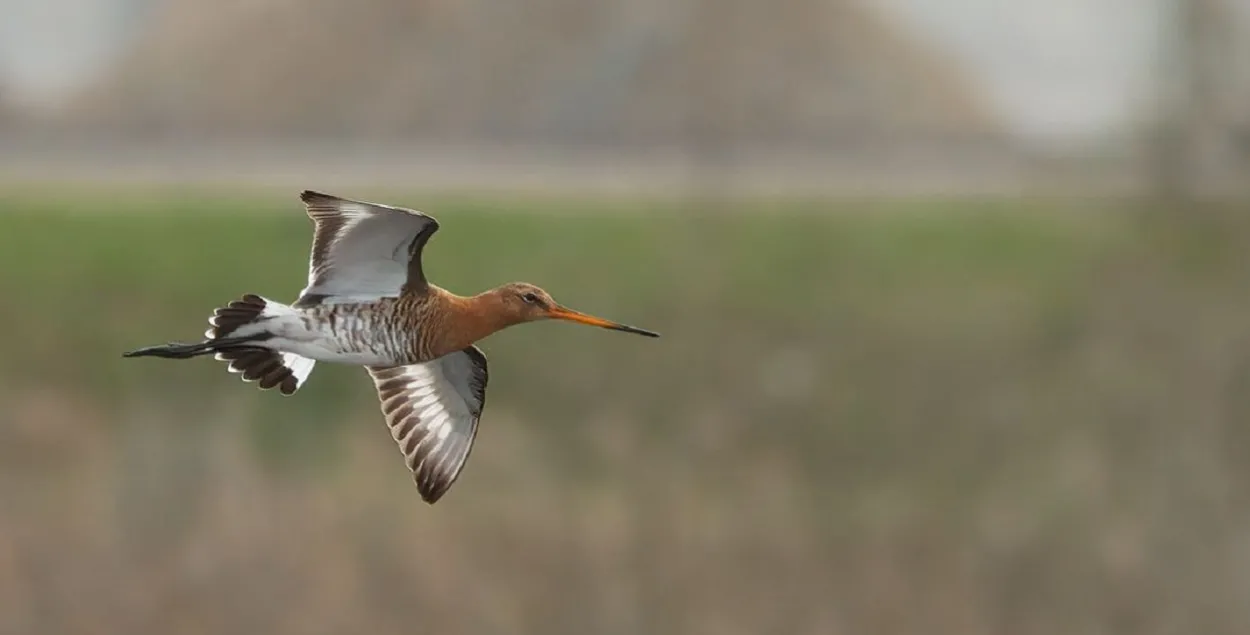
<point x="431" y="497"/>
<point x="309" y="196"/>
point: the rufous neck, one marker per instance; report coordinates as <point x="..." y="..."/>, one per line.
<point x="465" y="320"/>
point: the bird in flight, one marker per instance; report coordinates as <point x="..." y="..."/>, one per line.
<point x="368" y="303"/>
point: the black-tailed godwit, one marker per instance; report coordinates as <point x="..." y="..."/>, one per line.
<point x="368" y="303"/>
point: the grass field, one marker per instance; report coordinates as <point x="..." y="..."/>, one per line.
<point x="952" y="417"/>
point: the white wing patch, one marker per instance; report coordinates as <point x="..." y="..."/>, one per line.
<point x="301" y="367"/>
<point x="361" y="251"/>
<point x="432" y="410"/>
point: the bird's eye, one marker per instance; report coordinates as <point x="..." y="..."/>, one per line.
<point x="529" y="298"/>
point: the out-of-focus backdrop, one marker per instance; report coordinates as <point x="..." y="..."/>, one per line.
<point x="955" y="297"/>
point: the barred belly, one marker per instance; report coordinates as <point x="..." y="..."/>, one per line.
<point x="360" y="334"/>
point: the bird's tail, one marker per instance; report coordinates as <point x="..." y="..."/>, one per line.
<point x="237" y="335"/>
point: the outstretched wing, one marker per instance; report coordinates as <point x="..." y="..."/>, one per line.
<point x="363" y="251"/>
<point x="432" y="410"/>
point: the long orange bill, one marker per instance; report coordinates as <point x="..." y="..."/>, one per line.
<point x="563" y="313"/>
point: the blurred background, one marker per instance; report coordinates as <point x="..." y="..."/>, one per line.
<point x="955" y="299"/>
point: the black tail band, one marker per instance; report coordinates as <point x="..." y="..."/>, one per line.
<point x="176" y="350"/>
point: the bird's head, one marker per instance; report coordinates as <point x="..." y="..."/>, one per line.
<point x="524" y="302"/>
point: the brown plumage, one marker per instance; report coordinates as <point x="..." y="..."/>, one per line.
<point x="368" y="302"/>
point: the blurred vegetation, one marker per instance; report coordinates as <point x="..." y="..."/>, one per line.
<point x="912" y="417"/>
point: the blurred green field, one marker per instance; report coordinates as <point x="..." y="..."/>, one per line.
<point x="1006" y="416"/>
<point x="728" y="286"/>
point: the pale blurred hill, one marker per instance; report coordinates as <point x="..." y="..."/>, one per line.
<point x="785" y="74"/>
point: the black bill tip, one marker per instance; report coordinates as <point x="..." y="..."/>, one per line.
<point x="635" y="330"/>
